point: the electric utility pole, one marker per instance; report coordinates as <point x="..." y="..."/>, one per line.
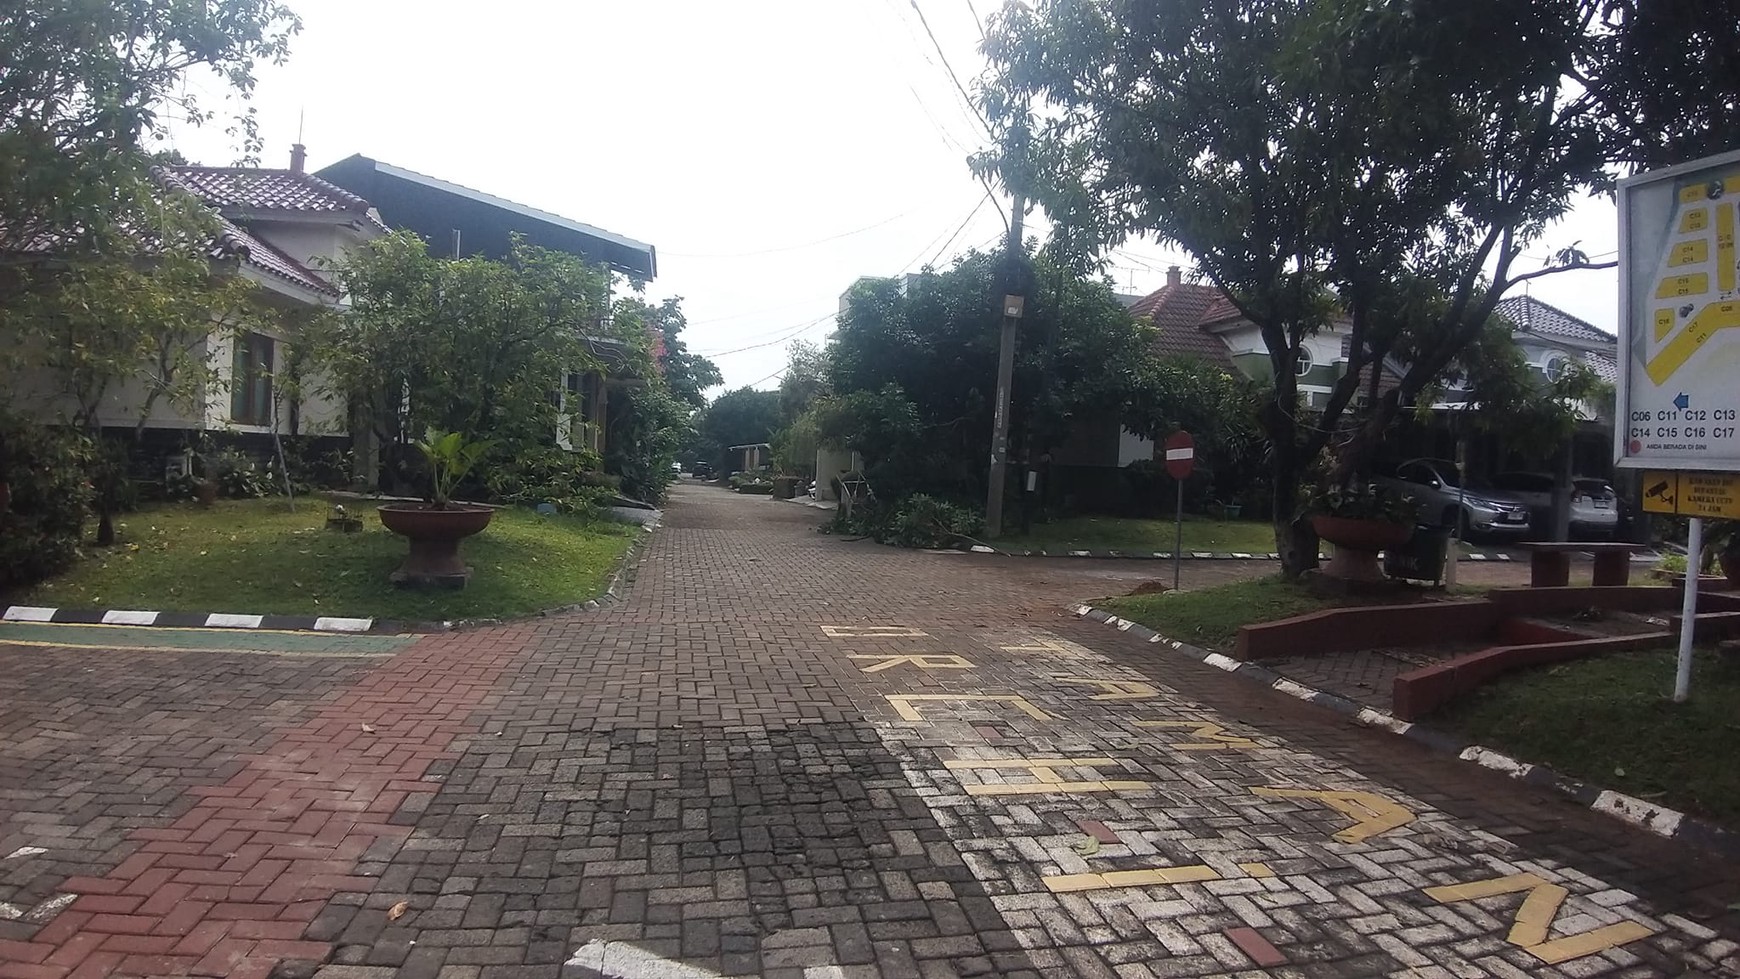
<point x="1012" y="306"/>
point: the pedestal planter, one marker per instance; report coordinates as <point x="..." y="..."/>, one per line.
<point x="1357" y="543"/>
<point x="434" y="536"/>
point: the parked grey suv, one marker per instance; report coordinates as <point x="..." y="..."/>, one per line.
<point x="1433" y="485"/>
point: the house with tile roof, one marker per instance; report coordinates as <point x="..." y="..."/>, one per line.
<point x="277" y="228"/>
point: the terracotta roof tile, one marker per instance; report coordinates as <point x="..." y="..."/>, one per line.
<point x="1533" y="316"/>
<point x="232" y="189"/>
<point x="1177" y="312"/>
<point x="235" y="240"/>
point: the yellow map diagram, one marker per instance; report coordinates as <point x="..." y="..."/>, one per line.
<point x="1694" y="288"/>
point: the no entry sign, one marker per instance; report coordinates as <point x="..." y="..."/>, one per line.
<point x="1180" y="455"/>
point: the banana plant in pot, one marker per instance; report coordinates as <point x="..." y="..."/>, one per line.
<point x="1360" y="520"/>
<point x="435" y="527"/>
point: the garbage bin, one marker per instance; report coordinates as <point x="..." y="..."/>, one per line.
<point x="1421" y="558"/>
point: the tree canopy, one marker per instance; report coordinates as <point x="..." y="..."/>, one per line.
<point x="1386" y="165"/>
<point x="741" y="416"/>
<point x="921" y="354"/>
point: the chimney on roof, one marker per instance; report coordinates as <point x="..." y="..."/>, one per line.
<point x="298" y="158"/>
<point x="1174" y="275"/>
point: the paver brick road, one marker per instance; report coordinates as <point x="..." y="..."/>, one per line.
<point x="782" y="754"/>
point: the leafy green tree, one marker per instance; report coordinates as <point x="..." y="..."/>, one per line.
<point x="1388" y="163"/>
<point x="135" y="322"/>
<point x="931" y="343"/>
<point x="86" y="82"/>
<point x="743" y="416"/>
<point x="687" y="375"/>
<point x="1665" y="77"/>
<point x="465" y="345"/>
<point x="805" y="379"/>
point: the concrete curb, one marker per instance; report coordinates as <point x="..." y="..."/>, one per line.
<point x="188" y="620"/>
<point x="1667" y="823"/>
<point x="309" y="623"/>
<point x="1494" y="557"/>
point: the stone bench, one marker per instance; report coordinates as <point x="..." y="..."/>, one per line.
<point x="1550" y="562"/>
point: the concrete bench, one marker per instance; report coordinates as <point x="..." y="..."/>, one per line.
<point x="1550" y="562"/>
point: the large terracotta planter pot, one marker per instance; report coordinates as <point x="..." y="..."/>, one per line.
<point x="1357" y="543"/>
<point x="434" y="537"/>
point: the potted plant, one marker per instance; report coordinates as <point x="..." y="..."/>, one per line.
<point x="1360" y="520"/>
<point x="435" y="527"/>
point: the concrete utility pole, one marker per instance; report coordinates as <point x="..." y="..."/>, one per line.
<point x="1012" y="306"/>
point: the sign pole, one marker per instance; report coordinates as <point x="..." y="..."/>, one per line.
<point x="1178" y="540"/>
<point x="1689" y="611"/>
<point x="1180" y="463"/>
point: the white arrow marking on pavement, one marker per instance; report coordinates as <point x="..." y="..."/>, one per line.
<point x="624" y="961"/>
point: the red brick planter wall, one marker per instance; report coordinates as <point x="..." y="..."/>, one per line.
<point x="1419" y="692"/>
<point x="1339" y="629"/>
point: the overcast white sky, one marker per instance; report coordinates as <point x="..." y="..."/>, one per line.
<point x="772" y="150"/>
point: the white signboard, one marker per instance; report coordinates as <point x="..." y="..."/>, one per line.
<point x="1679" y="317"/>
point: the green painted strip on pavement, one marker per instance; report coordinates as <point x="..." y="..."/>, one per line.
<point x="215" y="640"/>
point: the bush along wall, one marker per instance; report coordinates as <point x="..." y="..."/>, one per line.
<point x="46" y="499"/>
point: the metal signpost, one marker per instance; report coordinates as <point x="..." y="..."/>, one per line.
<point x="1679" y="348"/>
<point x="1180" y="460"/>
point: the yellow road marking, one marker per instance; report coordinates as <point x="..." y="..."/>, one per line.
<point x="1372" y="813"/>
<point x="1589" y="942"/>
<point x="1158" y="876"/>
<point x="1534" y="920"/>
<point x="1711" y="319"/>
<point x="1114" y="689"/>
<point x="1212" y="735"/>
<point x="903" y="703"/>
<point x="1045" y="771"/>
<point x="924" y="661"/>
<point x="1044" y="646"/>
<point x="872" y="632"/>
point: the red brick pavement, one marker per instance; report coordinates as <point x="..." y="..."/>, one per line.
<point x="229" y="887"/>
<point x="690" y="770"/>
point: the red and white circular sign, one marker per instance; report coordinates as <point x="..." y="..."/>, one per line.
<point x="1180" y="455"/>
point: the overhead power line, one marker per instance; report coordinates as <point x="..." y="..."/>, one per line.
<point x="950" y="68"/>
<point x="788" y="248"/>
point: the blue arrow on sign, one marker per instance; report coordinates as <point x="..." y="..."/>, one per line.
<point x="1682" y="402"/>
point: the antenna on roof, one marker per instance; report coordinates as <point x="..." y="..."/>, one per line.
<point x="301" y="114"/>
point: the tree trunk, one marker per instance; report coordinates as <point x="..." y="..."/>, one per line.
<point x="1295" y="541"/>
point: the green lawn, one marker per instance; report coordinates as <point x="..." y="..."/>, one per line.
<point x="1608" y="720"/>
<point x="254" y="556"/>
<point x="1133" y="535"/>
<point x="1211" y="617"/>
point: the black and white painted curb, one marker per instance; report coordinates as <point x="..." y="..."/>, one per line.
<point x="1495" y="556"/>
<point x="1641" y="813"/>
<point x="185" y="620"/>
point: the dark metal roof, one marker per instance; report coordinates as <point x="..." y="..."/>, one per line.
<point x="435" y="208"/>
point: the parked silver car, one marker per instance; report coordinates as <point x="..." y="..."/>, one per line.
<point x="1483" y="512"/>
<point x="1594" y="505"/>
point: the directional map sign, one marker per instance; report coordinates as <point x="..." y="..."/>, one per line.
<point x="1679" y="317"/>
